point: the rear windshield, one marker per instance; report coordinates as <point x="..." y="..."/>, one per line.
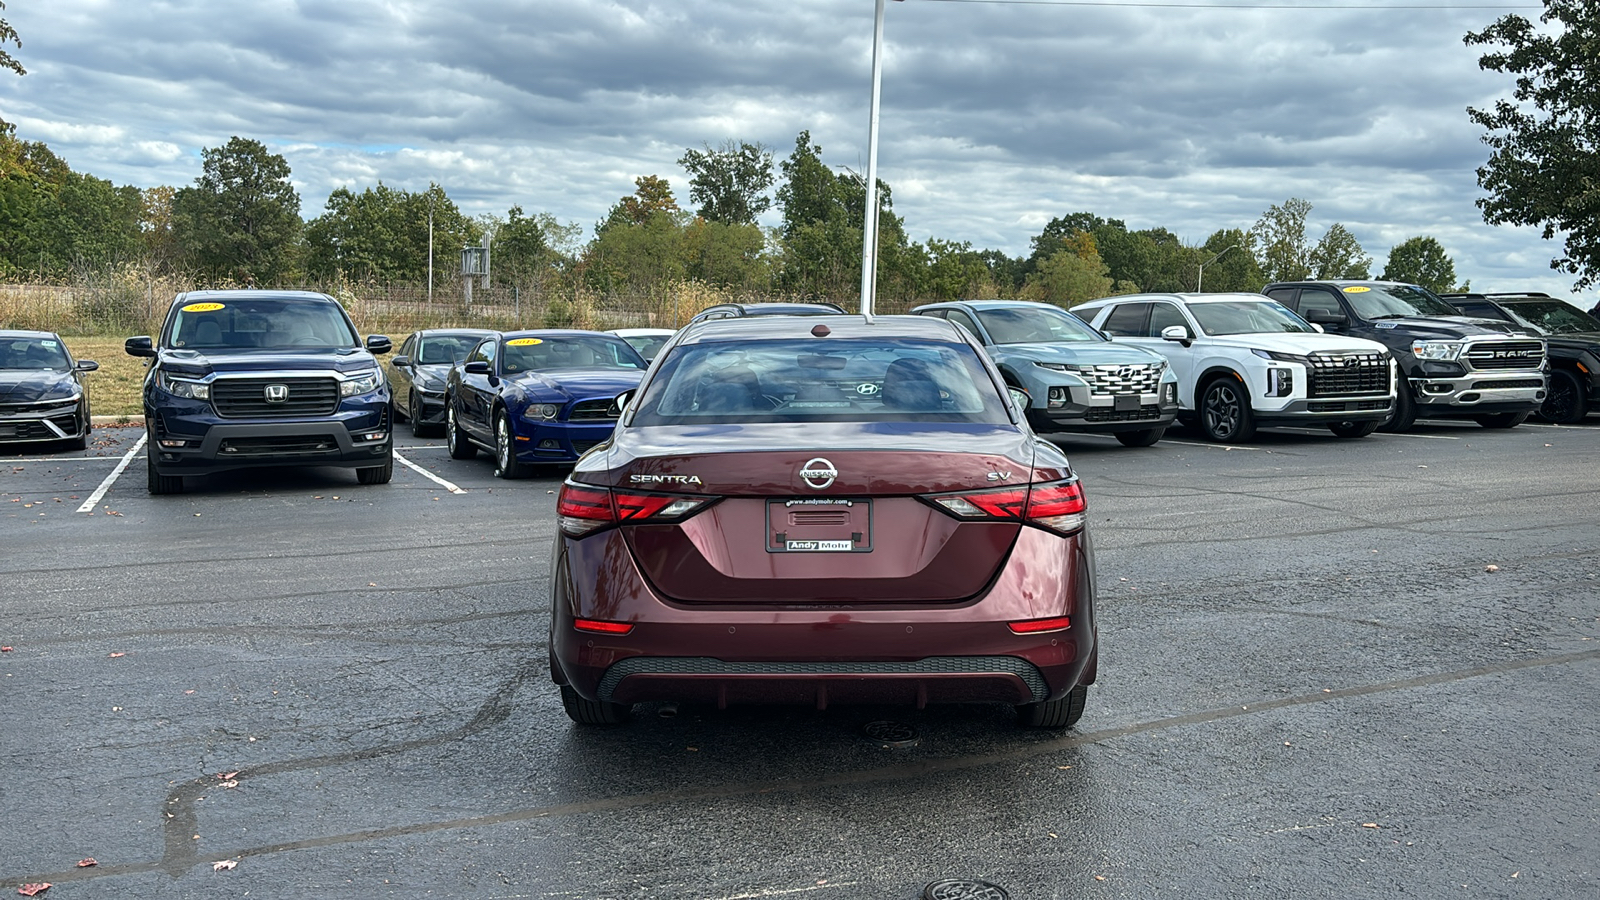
<point x="261" y="323"/>
<point x="1247" y="317"/>
<point x="33" y="353"/>
<point x="809" y="380"/>
<point x="445" y="349"/>
<point x="539" y="354"/>
<point x="1035" y="325"/>
<point x="1551" y="316"/>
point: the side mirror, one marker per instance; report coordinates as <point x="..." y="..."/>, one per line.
<point x="87" y="365"/>
<point x="139" y="346"/>
<point x="401" y="362"/>
<point x="1330" y="319"/>
<point x="1019" y="398"/>
<point x="378" y="344"/>
<point x="1176" y="333"/>
<point x="623" y="399"/>
<point x="476" y="367"/>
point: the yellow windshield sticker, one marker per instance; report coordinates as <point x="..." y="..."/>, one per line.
<point x="202" y="307"/>
<point x="1356" y="289"/>
<point x="523" y="342"/>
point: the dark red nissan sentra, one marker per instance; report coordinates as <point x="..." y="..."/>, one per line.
<point x="823" y="510"/>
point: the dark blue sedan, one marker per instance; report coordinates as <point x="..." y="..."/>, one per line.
<point x="537" y="397"/>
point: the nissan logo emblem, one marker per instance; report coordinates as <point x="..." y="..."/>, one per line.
<point x="277" y="393"/>
<point x="818" y="473"/>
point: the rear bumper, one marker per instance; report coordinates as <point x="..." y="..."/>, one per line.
<point x="823" y="653"/>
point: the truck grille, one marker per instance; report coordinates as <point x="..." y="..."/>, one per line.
<point x="1135" y="379"/>
<point x="246" y="398"/>
<point x="1107" y="414"/>
<point x="589" y="410"/>
<point x="1344" y="374"/>
<point x="1499" y="355"/>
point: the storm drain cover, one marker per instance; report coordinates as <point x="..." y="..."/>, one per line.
<point x="890" y="734"/>
<point x="964" y="889"/>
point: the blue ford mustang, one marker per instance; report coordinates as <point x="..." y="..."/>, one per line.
<point x="534" y="397"/>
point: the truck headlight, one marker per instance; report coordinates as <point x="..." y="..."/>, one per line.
<point x="1435" y="349"/>
<point x="179" y="387"/>
<point x="359" y="383"/>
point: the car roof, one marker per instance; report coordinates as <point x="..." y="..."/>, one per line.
<point x="556" y="332"/>
<point x="840" y="326"/>
<point x="28" y="333"/>
<point x="640" y="332"/>
<point x="1187" y="299"/>
<point x="778" y="309"/>
<point x="252" y="294"/>
<point x="474" y="332"/>
<point x="987" y="304"/>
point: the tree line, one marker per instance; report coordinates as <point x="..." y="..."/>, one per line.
<point x="240" y="223"/>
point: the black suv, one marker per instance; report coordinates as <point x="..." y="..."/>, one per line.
<point x="1572" y="335"/>
<point x="263" y="378"/>
<point x="1451" y="366"/>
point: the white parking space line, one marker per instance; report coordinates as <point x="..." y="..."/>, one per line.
<point x="88" y="505"/>
<point x="1426" y="437"/>
<point x="56" y="459"/>
<point x="1211" y="446"/>
<point x="428" y="475"/>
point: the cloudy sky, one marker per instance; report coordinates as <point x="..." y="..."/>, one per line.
<point x="997" y="115"/>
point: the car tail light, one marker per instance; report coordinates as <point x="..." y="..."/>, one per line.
<point x="600" y="626"/>
<point x="582" y="509"/>
<point x="1056" y="505"/>
<point x="1038" y="626"/>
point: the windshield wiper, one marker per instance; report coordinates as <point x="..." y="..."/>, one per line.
<point x="1391" y="316"/>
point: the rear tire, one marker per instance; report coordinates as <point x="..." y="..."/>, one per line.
<point x="156" y="482"/>
<point x="456" y="440"/>
<point x="1144" y="438"/>
<point x="1225" y="415"/>
<point x="506" y="464"/>
<point x="378" y="474"/>
<point x="1405" y="410"/>
<point x="1062" y="713"/>
<point x="1501" y="420"/>
<point x="593" y="712"/>
<point x="1353" y="429"/>
<point x="1564" y="401"/>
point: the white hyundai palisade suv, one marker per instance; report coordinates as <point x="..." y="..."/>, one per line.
<point x="1245" y="360"/>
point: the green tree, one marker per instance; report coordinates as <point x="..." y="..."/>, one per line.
<point x="1063" y="228"/>
<point x="1544" y="168"/>
<point x="53" y="219"/>
<point x="241" y="219"/>
<point x="155" y="226"/>
<point x="1070" y="276"/>
<point x="1421" y="260"/>
<point x="730" y="183"/>
<point x="1285" y="254"/>
<point x="1234" y="269"/>
<point x="822" y="215"/>
<point x="9" y="35"/>
<point x="381" y="235"/>
<point x="731" y="255"/>
<point x="523" y="247"/>
<point x="1339" y="255"/>
<point x="652" y="194"/>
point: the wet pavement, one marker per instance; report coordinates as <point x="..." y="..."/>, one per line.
<point x="1312" y="685"/>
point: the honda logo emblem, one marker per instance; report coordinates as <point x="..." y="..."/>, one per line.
<point x="277" y="393"/>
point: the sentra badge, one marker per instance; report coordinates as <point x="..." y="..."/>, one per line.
<point x="818" y="473"/>
<point x="664" y="479"/>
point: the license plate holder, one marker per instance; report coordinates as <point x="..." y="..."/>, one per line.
<point x="1126" y="403"/>
<point x="819" y="525"/>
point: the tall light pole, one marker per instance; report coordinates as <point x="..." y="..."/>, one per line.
<point x="869" y="219"/>
<point x="430" y="246"/>
<point x="1200" y="274"/>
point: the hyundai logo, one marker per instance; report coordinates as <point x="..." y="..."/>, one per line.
<point x="818" y="473"/>
<point x="1125" y="372"/>
<point x="1351" y="361"/>
<point x="277" y="393"/>
<point x="866" y="388"/>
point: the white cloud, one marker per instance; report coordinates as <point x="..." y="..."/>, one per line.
<point x="996" y="117"/>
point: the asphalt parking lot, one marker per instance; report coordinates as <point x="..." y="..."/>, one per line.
<point x="1311" y="686"/>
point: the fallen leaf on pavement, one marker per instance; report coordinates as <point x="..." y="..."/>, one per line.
<point x="188" y="692"/>
<point x="28" y="890"/>
<point x="5" y="649"/>
<point x="227" y="775"/>
<point x="1491" y="568"/>
<point x="87" y="862"/>
<point x="230" y="783"/>
<point x="1369" y="824"/>
<point x="114" y="655"/>
<point x="222" y="864"/>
